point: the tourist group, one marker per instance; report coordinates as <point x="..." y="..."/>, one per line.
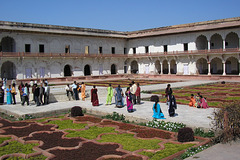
<point x="38" y="93"/>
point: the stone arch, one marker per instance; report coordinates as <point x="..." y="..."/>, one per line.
<point x="202" y="66"/>
<point x="8" y="70"/>
<point x="165" y="67"/>
<point x="87" y="70"/>
<point x="232" y="40"/>
<point x="173" y="67"/>
<point x="158" y="67"/>
<point x="216" y="41"/>
<point x="113" y="69"/>
<point x="8" y="44"/>
<point x="134" y="67"/>
<point x="232" y="66"/>
<point x="216" y="66"/>
<point x="201" y="42"/>
<point x="67" y="70"/>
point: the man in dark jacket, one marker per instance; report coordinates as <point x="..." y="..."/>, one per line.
<point x="36" y="94"/>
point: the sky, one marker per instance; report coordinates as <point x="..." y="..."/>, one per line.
<point x="117" y="15"/>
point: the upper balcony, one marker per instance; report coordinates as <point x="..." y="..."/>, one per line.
<point x="139" y="55"/>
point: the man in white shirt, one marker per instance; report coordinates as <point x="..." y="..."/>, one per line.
<point x="46" y="93"/>
<point x="133" y="90"/>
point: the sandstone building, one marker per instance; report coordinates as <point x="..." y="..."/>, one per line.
<point x="49" y="51"/>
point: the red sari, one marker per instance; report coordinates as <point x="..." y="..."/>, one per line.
<point x="94" y="97"/>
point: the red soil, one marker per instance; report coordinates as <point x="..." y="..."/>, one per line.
<point x="88" y="118"/>
<point x="6" y="123"/>
<point x="123" y="126"/>
<point x="152" y="133"/>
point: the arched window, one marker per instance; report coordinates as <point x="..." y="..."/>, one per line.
<point x="87" y="70"/>
<point x="8" y="44"/>
<point x="67" y="70"/>
<point x="113" y="69"/>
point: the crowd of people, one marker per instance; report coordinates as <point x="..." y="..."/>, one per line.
<point x="198" y="101"/>
<point x="40" y="94"/>
<point x="132" y="94"/>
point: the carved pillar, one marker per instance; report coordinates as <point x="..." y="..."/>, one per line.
<point x="161" y="64"/>
<point x="209" y="45"/>
<point x="224" y="44"/>
<point x="224" y="68"/>
<point x="209" y="68"/>
<point x="169" y="68"/>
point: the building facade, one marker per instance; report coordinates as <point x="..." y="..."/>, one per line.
<point x="47" y="51"/>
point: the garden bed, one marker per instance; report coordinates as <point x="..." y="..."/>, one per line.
<point x="88" y="138"/>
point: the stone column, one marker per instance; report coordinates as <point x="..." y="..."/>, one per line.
<point x="209" y="68"/>
<point x="224" y="45"/>
<point x="161" y="64"/>
<point x="209" y="45"/>
<point x="224" y="68"/>
<point x="169" y="68"/>
<point x="239" y="67"/>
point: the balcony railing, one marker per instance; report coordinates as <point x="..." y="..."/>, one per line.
<point x="90" y="55"/>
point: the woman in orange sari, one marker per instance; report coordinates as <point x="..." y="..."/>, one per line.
<point x="192" y="101"/>
<point x="83" y="88"/>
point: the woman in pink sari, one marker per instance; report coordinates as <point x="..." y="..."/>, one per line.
<point x="203" y="103"/>
<point x="129" y="100"/>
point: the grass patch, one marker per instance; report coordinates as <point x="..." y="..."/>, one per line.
<point x="40" y="157"/>
<point x="16" y="147"/>
<point x="169" y="150"/>
<point x="232" y="98"/>
<point x="67" y="124"/>
<point x="2" y="139"/>
<point x="182" y="101"/>
<point x="130" y="143"/>
<point x="91" y="133"/>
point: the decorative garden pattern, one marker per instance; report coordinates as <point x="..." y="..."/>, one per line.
<point x="88" y="138"/>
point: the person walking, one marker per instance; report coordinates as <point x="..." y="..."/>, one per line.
<point x="1" y="95"/>
<point x="133" y="90"/>
<point x="83" y="90"/>
<point x="36" y="94"/>
<point x="9" y="95"/>
<point x="168" y="92"/>
<point x="25" y="95"/>
<point x="69" y="91"/>
<point x="46" y="93"/>
<point x="138" y="93"/>
<point x="13" y="92"/>
<point x="129" y="100"/>
<point x="74" y="87"/>
<point x="94" y="96"/>
<point x="119" y="97"/>
<point x="41" y="93"/>
<point x="109" y="94"/>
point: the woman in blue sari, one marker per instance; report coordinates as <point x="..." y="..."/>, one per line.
<point x="9" y="95"/>
<point x="119" y="97"/>
<point x="157" y="112"/>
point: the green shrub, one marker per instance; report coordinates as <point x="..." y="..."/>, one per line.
<point x="194" y="150"/>
<point x="116" y="117"/>
<point x="169" y="126"/>
<point x="200" y="132"/>
<point x="185" y="135"/>
<point x="229" y="127"/>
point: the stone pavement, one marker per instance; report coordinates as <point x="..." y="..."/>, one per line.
<point x="229" y="151"/>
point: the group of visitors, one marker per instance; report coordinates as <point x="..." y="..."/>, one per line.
<point x="198" y="101"/>
<point x="37" y="92"/>
<point x="74" y="90"/>
<point x="132" y="94"/>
